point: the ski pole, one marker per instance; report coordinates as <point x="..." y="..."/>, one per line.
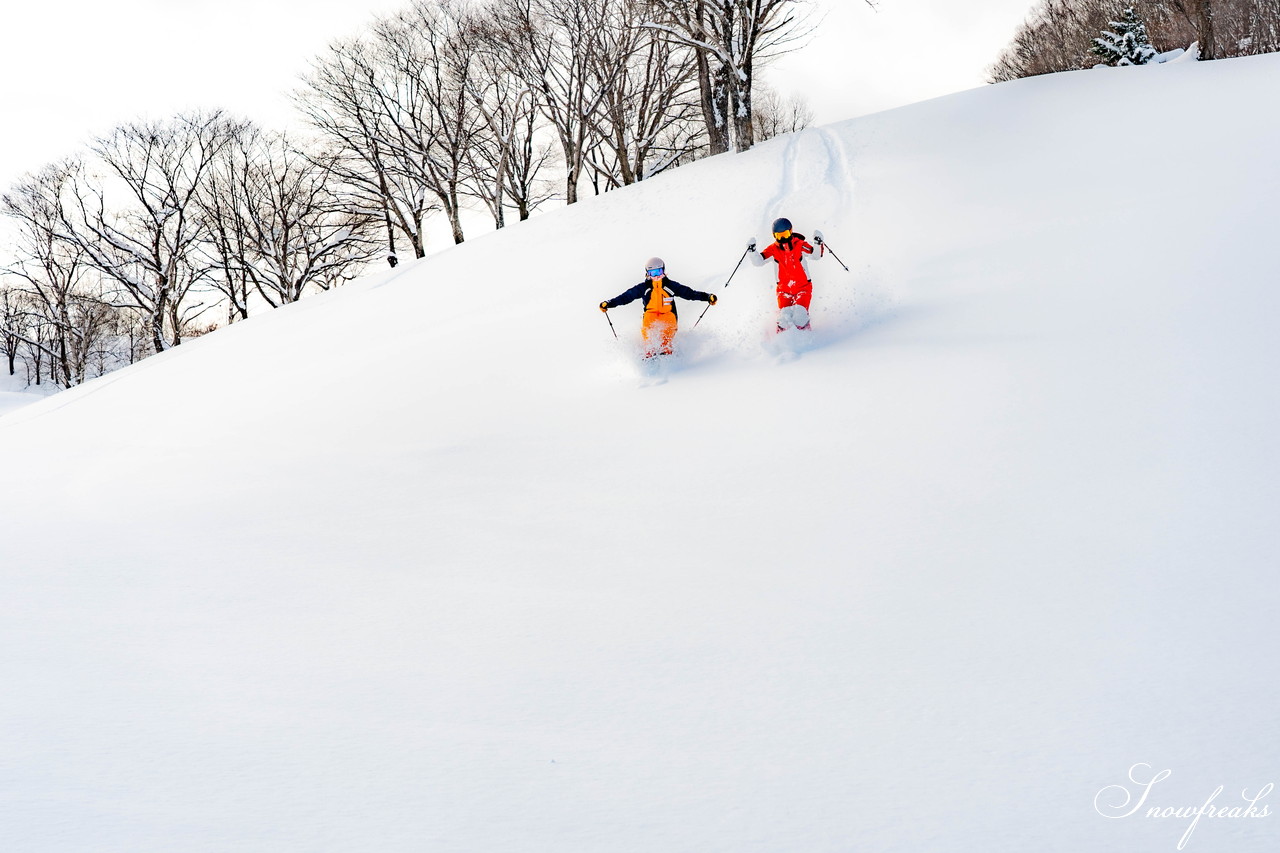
<point x="711" y="301"/>
<point x="615" y="331"/>
<point x="731" y="275"/>
<point x="827" y="246"/>
<point x="700" y="316"/>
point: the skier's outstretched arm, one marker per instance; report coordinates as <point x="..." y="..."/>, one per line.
<point x="629" y="295"/>
<point x="688" y="292"/>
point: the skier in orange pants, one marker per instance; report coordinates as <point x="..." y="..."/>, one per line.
<point x="658" y="328"/>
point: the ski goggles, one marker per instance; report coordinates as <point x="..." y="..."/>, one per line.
<point x="781" y="235"/>
<point x="656" y="272"/>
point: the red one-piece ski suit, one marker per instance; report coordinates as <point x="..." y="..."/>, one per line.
<point x="794" y="286"/>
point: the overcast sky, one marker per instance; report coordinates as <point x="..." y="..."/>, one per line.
<point x="71" y="69"/>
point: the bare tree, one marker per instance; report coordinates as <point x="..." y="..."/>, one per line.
<point x="1227" y="28"/>
<point x="1200" y="14"/>
<point x="224" y="201"/>
<point x="277" y="227"/>
<point x="13" y="325"/>
<point x="36" y="347"/>
<point x="648" y="118"/>
<point x="48" y="267"/>
<point x="507" y="155"/>
<point x="1057" y="34"/>
<point x="692" y="22"/>
<point x="51" y="269"/>
<point x="554" y="47"/>
<point x="526" y="188"/>
<point x="506" y="160"/>
<point x="1267" y="28"/>
<point x="424" y="93"/>
<point x="349" y="100"/>
<point x="733" y="38"/>
<point x="147" y="245"/>
<point x="775" y="115"/>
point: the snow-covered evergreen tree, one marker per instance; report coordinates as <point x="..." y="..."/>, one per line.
<point x="1128" y="44"/>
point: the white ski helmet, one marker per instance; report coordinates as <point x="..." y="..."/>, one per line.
<point x="655" y="264"/>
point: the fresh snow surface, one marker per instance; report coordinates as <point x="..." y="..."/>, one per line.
<point x="14" y="392"/>
<point x="430" y="564"/>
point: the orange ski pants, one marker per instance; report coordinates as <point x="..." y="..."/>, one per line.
<point x="658" y="331"/>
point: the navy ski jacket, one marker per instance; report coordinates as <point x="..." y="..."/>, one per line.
<point x="645" y="288"/>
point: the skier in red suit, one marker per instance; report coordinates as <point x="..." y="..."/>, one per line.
<point x="795" y="289"/>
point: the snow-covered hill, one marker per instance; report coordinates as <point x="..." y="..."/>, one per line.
<point x="14" y="392"/>
<point x="426" y="564"/>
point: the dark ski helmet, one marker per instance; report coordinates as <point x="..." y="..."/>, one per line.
<point x="781" y="225"/>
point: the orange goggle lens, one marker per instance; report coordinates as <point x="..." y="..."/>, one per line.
<point x="782" y="235"/>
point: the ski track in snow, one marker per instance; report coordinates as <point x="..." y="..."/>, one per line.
<point x="839" y="169"/>
<point x="786" y="183"/>
<point x="815" y="189"/>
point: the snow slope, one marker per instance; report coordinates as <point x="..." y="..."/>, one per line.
<point x="14" y="393"/>
<point x="426" y="564"/>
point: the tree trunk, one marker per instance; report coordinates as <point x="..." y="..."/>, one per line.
<point x="64" y="359"/>
<point x="714" y="96"/>
<point x="571" y="186"/>
<point x="744" y="133"/>
<point x="416" y="239"/>
<point x="37" y="357"/>
<point x="157" y="325"/>
<point x="455" y="215"/>
<point x="1204" y="22"/>
<point x="499" y="195"/>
